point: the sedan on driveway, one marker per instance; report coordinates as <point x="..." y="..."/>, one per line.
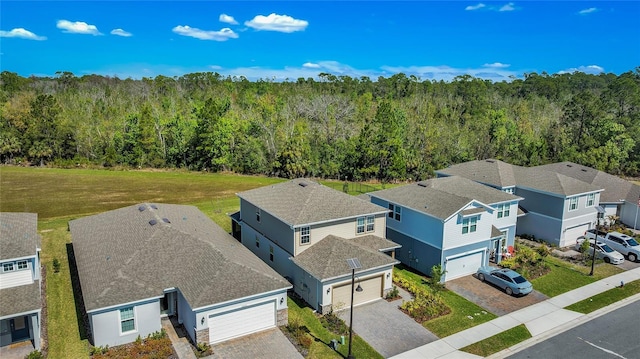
<point x="508" y="280"/>
<point x="603" y="251"/>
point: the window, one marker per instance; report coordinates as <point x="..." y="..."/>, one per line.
<point x="257" y="242"/>
<point x="509" y="190"/>
<point x="469" y="225"/>
<point x="573" y="203"/>
<point x="360" y="225"/>
<point x="591" y="199"/>
<point x="271" y="253"/>
<point x="391" y="207"/>
<point x="396" y="211"/>
<point x="23" y="265"/>
<point x="127" y="320"/>
<point x="503" y="210"/>
<point x="7" y="267"/>
<point x="258" y="213"/>
<point x="305" y="236"/>
<point x="371" y="220"/>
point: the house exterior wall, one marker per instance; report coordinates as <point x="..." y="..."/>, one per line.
<point x="453" y="236"/>
<point x="280" y="263"/>
<point x="186" y="316"/>
<point x="542" y="203"/>
<point x="415" y="253"/>
<point x="279" y="232"/>
<point x="414" y="224"/>
<point x="630" y="215"/>
<point x="509" y="221"/>
<point x="19" y="277"/>
<point x="106" y="325"/>
<point x="543" y="227"/>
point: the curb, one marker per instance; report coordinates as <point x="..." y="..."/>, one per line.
<point x="564" y="327"/>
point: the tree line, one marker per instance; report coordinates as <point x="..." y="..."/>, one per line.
<point x="394" y="128"/>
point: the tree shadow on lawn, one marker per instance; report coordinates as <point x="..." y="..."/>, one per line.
<point x="81" y="313"/>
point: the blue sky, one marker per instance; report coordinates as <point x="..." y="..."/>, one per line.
<point x="292" y="39"/>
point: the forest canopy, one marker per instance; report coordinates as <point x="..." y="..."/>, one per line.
<point x="395" y="128"/>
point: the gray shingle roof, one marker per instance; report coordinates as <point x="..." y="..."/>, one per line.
<point x="616" y="189"/>
<point x="20" y="299"/>
<point x="122" y="257"/>
<point x="18" y="235"/>
<point x="492" y="172"/>
<point x="501" y="174"/>
<point x="302" y="201"/>
<point x="375" y="243"/>
<point x="444" y="196"/>
<point x="328" y="258"/>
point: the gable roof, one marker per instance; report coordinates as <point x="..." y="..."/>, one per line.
<point x="443" y="197"/>
<point x="616" y="189"/>
<point x="20" y="299"/>
<point x="327" y="259"/>
<point x="501" y="174"/>
<point x="136" y="252"/>
<point x="18" y="235"/>
<point x="302" y="202"/>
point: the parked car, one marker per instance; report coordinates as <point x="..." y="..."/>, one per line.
<point x="624" y="244"/>
<point x="593" y="233"/>
<point x="504" y="278"/>
<point x="603" y="251"/>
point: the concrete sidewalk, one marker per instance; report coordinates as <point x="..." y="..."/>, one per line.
<point x="543" y="320"/>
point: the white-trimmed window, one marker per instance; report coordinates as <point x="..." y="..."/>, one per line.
<point x="258" y="214"/>
<point x="8" y="267"/>
<point x="127" y="320"/>
<point x="573" y="203"/>
<point x="469" y="225"/>
<point x="509" y="190"/>
<point x="23" y="265"/>
<point x="396" y="212"/>
<point x="504" y="210"/>
<point x="591" y="199"/>
<point x="360" y="225"/>
<point x="305" y="235"/>
<point x="371" y="223"/>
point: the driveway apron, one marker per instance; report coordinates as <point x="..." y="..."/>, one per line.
<point x="268" y="344"/>
<point x="387" y="329"/>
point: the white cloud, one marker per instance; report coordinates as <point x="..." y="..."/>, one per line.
<point x="448" y="73"/>
<point x="508" y="7"/>
<point x="497" y="65"/>
<point x="222" y="35"/>
<point x="274" y="22"/>
<point x="475" y="7"/>
<point x="227" y="19"/>
<point x="22" y="34"/>
<point x="311" y="65"/>
<point x="587" y="11"/>
<point x="121" y="32"/>
<point x="78" y="27"/>
<point x="590" y="69"/>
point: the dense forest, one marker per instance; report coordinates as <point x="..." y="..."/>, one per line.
<point x="394" y="128"/>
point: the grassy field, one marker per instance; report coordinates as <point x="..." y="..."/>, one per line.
<point x="565" y="276"/>
<point x="603" y="299"/>
<point x="59" y="195"/>
<point x="499" y="341"/>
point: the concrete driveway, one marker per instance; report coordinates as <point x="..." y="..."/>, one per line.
<point x="492" y="298"/>
<point x="267" y="344"/>
<point x="387" y="329"/>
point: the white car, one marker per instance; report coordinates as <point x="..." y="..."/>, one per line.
<point x="603" y="251"/>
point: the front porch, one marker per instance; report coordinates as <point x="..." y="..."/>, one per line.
<point x="17" y="350"/>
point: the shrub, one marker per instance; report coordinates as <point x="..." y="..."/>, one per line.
<point x="300" y="333"/>
<point x="334" y="324"/>
<point x="393" y="293"/>
<point x="56" y="265"/>
<point x="101" y="350"/>
<point x="158" y="334"/>
<point x="427" y="303"/>
<point x="436" y="277"/>
<point x="203" y="350"/>
<point x="36" y="354"/>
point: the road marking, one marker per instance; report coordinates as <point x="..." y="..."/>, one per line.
<point x="603" y="349"/>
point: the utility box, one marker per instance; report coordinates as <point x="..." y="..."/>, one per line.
<point x="342" y="339"/>
<point x="334" y="344"/>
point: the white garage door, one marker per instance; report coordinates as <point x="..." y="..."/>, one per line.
<point x="461" y="266"/>
<point x="371" y="290"/>
<point x="242" y="322"/>
<point x="571" y="234"/>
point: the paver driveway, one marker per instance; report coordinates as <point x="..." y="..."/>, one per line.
<point x="387" y="329"/>
<point x="491" y="298"/>
<point x="268" y="344"/>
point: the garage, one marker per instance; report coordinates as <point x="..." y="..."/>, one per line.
<point x="371" y="290"/>
<point x="571" y="234"/>
<point x="242" y="321"/>
<point x="463" y="265"/>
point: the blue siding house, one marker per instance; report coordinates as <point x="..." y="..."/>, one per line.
<point x="453" y="222"/>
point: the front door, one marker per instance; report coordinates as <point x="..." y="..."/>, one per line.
<point x="19" y="328"/>
<point x="168" y="304"/>
<point x="495" y="251"/>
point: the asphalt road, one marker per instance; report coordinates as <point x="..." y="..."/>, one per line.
<point x="612" y="335"/>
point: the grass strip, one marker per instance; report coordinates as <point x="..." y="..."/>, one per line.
<point x="605" y="298"/>
<point x="565" y="276"/>
<point x="499" y="341"/>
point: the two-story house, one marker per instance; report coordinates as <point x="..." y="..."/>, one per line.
<point x="307" y="231"/>
<point x="453" y="222"/>
<point x="20" y="291"/>
<point x="558" y="208"/>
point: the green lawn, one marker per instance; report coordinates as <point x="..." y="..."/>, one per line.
<point x="464" y="314"/>
<point x="565" y="276"/>
<point x="499" y="341"/>
<point x="322" y="337"/>
<point x="603" y="299"/>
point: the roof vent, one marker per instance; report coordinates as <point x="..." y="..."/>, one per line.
<point x="422" y="184"/>
<point x="569" y="165"/>
<point x="142" y="208"/>
<point x="491" y="161"/>
<point x="153" y="206"/>
<point x="153" y="222"/>
<point x="166" y="220"/>
<point x="583" y="170"/>
<point x="303" y="184"/>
